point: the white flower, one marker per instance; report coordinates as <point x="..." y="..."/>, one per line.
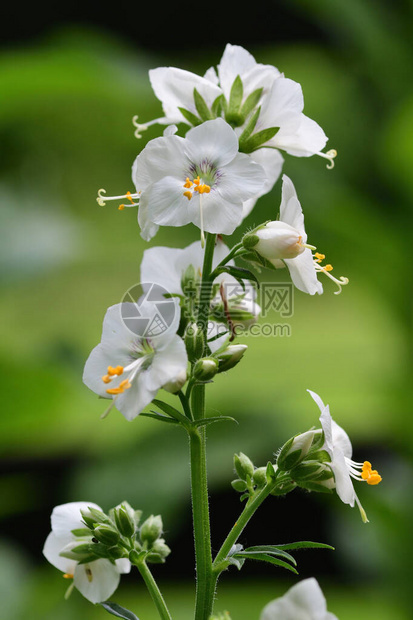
<point x="129" y="367"/>
<point x="304" y="601"/>
<point x="169" y="268"/>
<point x="96" y="580"/>
<point x="200" y="179"/>
<point x="284" y="242"/>
<point x="278" y="101"/>
<point x="338" y="445"/>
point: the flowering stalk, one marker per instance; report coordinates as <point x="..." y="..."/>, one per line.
<point x="153" y="590"/>
<point x="199" y="481"/>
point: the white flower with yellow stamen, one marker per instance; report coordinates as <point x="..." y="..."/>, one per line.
<point x="277" y="101"/>
<point x="130" y="368"/>
<point x="284" y="242"/>
<point x="338" y="445"/>
<point x="96" y="580"/>
<point x="304" y="601"/>
<point x="200" y="179"/>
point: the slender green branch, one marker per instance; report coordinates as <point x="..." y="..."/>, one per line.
<point x="185" y="405"/>
<point x="250" y="508"/>
<point x="233" y="252"/>
<point x="154" y="590"/>
<point x="206" y="285"/>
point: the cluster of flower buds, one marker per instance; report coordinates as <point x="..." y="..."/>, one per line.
<point x="119" y="535"/>
<point x="306" y="462"/>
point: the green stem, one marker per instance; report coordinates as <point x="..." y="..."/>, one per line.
<point x="252" y="505"/>
<point x="200" y="509"/>
<point x="154" y="590"/>
<point x="197" y="438"/>
<point x="234" y="252"/>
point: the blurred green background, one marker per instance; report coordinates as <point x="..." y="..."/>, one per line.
<point x="70" y="85"/>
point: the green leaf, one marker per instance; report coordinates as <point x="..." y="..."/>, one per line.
<point x="249" y="128"/>
<point x="262" y="557"/>
<point x="238" y="562"/>
<point x="240" y="273"/>
<point x="201" y="107"/>
<point x="191" y="118"/>
<point x="220" y="418"/>
<point x="304" y="544"/>
<point x="169" y="410"/>
<point x="258" y="139"/>
<point x="217" y="106"/>
<point x="117" y="610"/>
<point x="235" y="96"/>
<point x="82" y="531"/>
<point x="251" y="101"/>
<point x="272" y="550"/>
<point x="158" y="416"/>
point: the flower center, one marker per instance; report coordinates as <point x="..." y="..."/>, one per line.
<point x="196" y="185"/>
<point x="142" y="355"/>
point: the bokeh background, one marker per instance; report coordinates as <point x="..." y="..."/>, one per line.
<point x="70" y="81"/>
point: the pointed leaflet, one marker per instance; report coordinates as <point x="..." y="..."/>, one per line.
<point x="262" y="557"/>
<point x="201" y="107"/>
<point x="118" y="611"/>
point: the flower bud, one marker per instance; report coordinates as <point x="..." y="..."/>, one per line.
<point x="106" y="534"/>
<point x="176" y="384"/>
<point x="194" y="341"/>
<point x="275" y="241"/>
<point x="309" y="470"/>
<point x="295" y="450"/>
<point x="231" y="356"/>
<point x="243" y="465"/>
<point x="125" y="519"/>
<point x="189" y="281"/>
<point x="260" y="476"/>
<point x="151" y="529"/>
<point x="205" y="369"/>
<point x="159" y="551"/>
<point x="239" y="485"/>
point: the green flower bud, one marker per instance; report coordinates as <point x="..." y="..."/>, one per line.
<point x="159" y="551"/>
<point x="295" y="450"/>
<point x="260" y="476"/>
<point x="125" y="519"/>
<point x="189" y="281"/>
<point x="194" y="341"/>
<point x="106" y="534"/>
<point x="151" y="529"/>
<point x="116" y="552"/>
<point x="249" y="241"/>
<point x="205" y="369"/>
<point x="231" y="356"/>
<point x="308" y="470"/>
<point x="284" y="487"/>
<point x="243" y="466"/>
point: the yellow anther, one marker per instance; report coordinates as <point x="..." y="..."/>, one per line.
<point x="366" y="466"/>
<point x="115" y="371"/>
<point x="197" y="181"/>
<point x="374" y="479"/>
<point x="123" y="385"/>
<point x="129" y="197"/>
<point x="67" y="576"/>
<point x="319" y="256"/>
<point x="188" y="183"/>
<point x="188" y="195"/>
<point x="328" y="268"/>
<point x="106" y="379"/>
<point x="121" y="207"/>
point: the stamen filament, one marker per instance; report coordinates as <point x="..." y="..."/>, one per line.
<point x="330" y="155"/>
<point x="102" y="198"/>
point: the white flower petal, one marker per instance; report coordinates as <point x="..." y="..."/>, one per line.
<point x="271" y="161"/>
<point x="303" y="273"/>
<point x="159" y="155"/>
<point x="341" y="440"/>
<point x="123" y="566"/>
<point x="167" y="204"/>
<point x="214" y="141"/>
<point x="344" y="485"/>
<point x="159" y="266"/>
<point x="167" y="364"/>
<point x="67" y="517"/>
<point x="97" y="581"/>
<point x="300" y="136"/>
<point x="242" y="179"/>
<point x="133" y="401"/>
<point x="220" y="216"/>
<point x="235" y="61"/>
<point x="53" y="546"/>
<point x="175" y="88"/>
<point x="304" y="601"/>
<point x="290" y="208"/>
